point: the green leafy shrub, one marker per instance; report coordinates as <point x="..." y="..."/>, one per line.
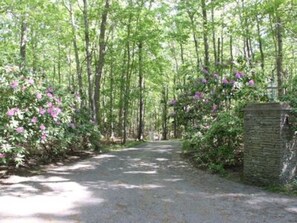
<point x="39" y="119"/>
<point x="210" y="110"/>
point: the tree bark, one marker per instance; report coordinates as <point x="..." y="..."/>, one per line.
<point x="279" y="56"/>
<point x="213" y="36"/>
<point x="100" y="62"/>
<point x="76" y="53"/>
<point x="205" y="33"/>
<point x="191" y="16"/>
<point x="260" y="44"/>
<point x="23" y="43"/>
<point x="165" y="113"/>
<point x="140" y="86"/>
<point x="88" y="55"/>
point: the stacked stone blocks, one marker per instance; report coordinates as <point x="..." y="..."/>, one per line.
<point x="270" y="150"/>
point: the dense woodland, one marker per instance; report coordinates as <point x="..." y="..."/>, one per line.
<point x="125" y="69"/>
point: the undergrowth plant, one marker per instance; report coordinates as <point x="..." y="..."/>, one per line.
<point x="210" y="110"/>
<point x="40" y="119"/>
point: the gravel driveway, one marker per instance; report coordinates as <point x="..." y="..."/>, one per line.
<point x="149" y="183"/>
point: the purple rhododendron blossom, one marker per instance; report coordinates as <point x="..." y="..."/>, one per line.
<point x="50" y="90"/>
<point x="198" y="95"/>
<point x="2" y="155"/>
<point x="50" y="95"/>
<point x="14" y="84"/>
<point x="204" y="81"/>
<point x="42" y="127"/>
<point x="42" y="111"/>
<point x="43" y="137"/>
<point x="251" y="83"/>
<point x="225" y="81"/>
<point x="11" y="112"/>
<point x="55" y="111"/>
<point x="38" y="96"/>
<point x="20" y="129"/>
<point x="58" y="100"/>
<point x="214" y="108"/>
<point x="30" y="81"/>
<point x="216" y="76"/>
<point x="239" y="75"/>
<point x="34" y="120"/>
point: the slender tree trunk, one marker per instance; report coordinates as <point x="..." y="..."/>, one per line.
<point x="219" y="50"/>
<point x="231" y="53"/>
<point x="191" y="16"/>
<point x="122" y="96"/>
<point x="140" y="85"/>
<point x="88" y="55"/>
<point x="23" y="43"/>
<point x="127" y="93"/>
<point x="75" y="47"/>
<point x="205" y="33"/>
<point x="260" y="44"/>
<point x="165" y="113"/>
<point x="279" y="56"/>
<point x="111" y="94"/>
<point x="59" y="64"/>
<point x="213" y="36"/>
<point x="182" y="60"/>
<point x="100" y="62"/>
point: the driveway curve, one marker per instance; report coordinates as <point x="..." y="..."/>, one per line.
<point x="148" y="183"/>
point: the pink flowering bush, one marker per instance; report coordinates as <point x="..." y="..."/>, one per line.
<point x="210" y="111"/>
<point x="35" y="119"/>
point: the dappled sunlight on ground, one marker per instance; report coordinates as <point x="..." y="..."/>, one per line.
<point x="137" y="185"/>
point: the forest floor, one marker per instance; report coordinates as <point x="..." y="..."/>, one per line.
<point x="146" y="183"/>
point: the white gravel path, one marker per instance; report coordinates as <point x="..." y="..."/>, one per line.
<point x="150" y="183"/>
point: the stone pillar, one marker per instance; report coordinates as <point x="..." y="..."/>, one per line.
<point x="270" y="150"/>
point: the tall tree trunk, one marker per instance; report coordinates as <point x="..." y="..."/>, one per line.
<point x="182" y="61"/>
<point x="88" y="55"/>
<point x="23" y="43"/>
<point x="140" y="86"/>
<point x="213" y="35"/>
<point x="75" y="47"/>
<point x="231" y="53"/>
<point x="127" y="93"/>
<point x="260" y="44"/>
<point x="122" y="96"/>
<point x="191" y="16"/>
<point x="165" y="113"/>
<point x="59" y="64"/>
<point x="111" y="93"/>
<point x="279" y="56"/>
<point x="205" y="33"/>
<point x="100" y="62"/>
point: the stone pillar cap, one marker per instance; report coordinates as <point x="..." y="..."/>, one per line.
<point x="274" y="106"/>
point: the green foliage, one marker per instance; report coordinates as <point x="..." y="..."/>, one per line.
<point x="219" y="145"/>
<point x="210" y="109"/>
<point x="289" y="188"/>
<point x="38" y="119"/>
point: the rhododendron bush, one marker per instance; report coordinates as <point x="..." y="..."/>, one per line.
<point x="210" y="111"/>
<point x="38" y="118"/>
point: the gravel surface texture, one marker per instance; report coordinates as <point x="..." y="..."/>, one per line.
<point x="148" y="183"/>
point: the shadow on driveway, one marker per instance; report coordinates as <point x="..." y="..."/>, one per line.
<point x="149" y="183"/>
